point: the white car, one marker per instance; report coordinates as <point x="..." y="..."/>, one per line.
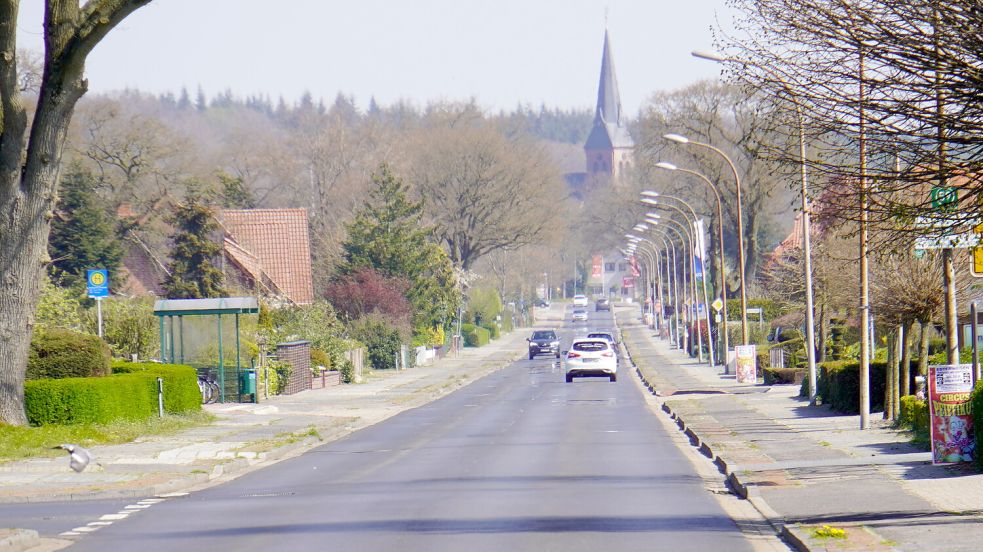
<point x="579" y="315"/>
<point x="580" y="300"/>
<point x="589" y="357"/>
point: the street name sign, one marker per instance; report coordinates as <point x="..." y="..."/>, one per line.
<point x="951" y="241"/>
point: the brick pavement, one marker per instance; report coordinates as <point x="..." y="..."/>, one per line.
<point x="804" y="466"/>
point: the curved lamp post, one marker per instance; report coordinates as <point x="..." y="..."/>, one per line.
<point x="740" y="224"/>
<point x="803" y="177"/>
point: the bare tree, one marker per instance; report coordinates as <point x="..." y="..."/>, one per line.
<point x="30" y="155"/>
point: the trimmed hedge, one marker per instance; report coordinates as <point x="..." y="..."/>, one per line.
<point x="976" y="404"/>
<point x="130" y="394"/>
<point x="493" y="330"/>
<point x="914" y="416"/>
<point x="783" y="375"/>
<point x="475" y="336"/>
<point x="839" y="385"/>
<point x="58" y="353"/>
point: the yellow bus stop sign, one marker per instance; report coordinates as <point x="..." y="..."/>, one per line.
<point x="977" y="267"/>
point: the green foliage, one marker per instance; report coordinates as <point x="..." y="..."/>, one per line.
<point x="58" y="353"/>
<point x="232" y="192"/>
<point x="937" y="345"/>
<point x="976" y="404"/>
<point x="347" y="371"/>
<point x="320" y="358"/>
<point x="181" y="392"/>
<point x="82" y="234"/>
<point x="193" y="275"/>
<point x="914" y="416"/>
<point x="129" y="326"/>
<point x="839" y="385"/>
<point x="493" y="330"/>
<point x="59" y="307"/>
<point x="484" y="305"/>
<point x="771" y="309"/>
<point x="474" y="336"/>
<point x="942" y="357"/>
<point x="130" y="395"/>
<point x="381" y="340"/>
<point x="316" y="323"/>
<point x="387" y="234"/>
<point x="274" y="375"/>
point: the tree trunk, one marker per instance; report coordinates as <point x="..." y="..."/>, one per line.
<point x="923" y="349"/>
<point x="905" y="371"/>
<point x="890" y="375"/>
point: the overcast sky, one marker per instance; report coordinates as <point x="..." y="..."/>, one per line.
<point x="501" y="52"/>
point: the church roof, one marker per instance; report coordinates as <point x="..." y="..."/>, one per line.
<point x="609" y="129"/>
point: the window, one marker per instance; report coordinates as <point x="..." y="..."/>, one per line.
<point x="591" y="346"/>
<point x="622" y="267"/>
<point x="609" y="267"/>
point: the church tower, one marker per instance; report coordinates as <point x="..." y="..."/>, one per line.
<point x="609" y="146"/>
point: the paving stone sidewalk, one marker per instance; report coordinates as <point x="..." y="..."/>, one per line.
<point x="804" y="466"/>
<point x="248" y="436"/>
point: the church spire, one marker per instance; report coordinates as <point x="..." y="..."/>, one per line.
<point x="608" y="98"/>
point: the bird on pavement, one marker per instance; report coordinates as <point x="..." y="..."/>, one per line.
<point x="78" y="457"/>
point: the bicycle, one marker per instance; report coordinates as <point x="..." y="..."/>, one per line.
<point x="210" y="392"/>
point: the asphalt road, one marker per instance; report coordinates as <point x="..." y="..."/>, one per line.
<point x="519" y="460"/>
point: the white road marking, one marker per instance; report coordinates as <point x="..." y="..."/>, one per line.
<point x="69" y="534"/>
<point x="114" y="517"/>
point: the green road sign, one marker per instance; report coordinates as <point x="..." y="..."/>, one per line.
<point x="944" y="198"/>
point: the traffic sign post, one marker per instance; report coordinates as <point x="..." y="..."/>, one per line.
<point x="97" y="286"/>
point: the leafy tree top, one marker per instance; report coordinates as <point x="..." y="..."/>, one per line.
<point x="193" y="275"/>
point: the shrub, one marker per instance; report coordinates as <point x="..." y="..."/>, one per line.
<point x="976" y="406"/>
<point x="507" y="324"/>
<point x="839" y="385"/>
<point x="129" y="395"/>
<point x="58" y="353"/>
<point x="914" y="416"/>
<point x="381" y="340"/>
<point x="347" y="371"/>
<point x="484" y="304"/>
<point x="493" y="330"/>
<point x="783" y="375"/>
<point x="474" y="336"/>
<point x="129" y="326"/>
<point x="321" y="358"/>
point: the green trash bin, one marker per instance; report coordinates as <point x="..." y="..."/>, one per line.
<point x="247" y="382"/>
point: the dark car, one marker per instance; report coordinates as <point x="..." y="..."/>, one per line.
<point x="544" y="342"/>
<point x="602" y="304"/>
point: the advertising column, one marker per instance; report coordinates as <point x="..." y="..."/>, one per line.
<point x="746" y="364"/>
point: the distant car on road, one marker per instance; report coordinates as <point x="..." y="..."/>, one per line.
<point x="580" y="301"/>
<point x="579" y="315"/>
<point x="602" y="304"/>
<point x="544" y="342"/>
<point x="609" y="337"/>
<point x="541" y="303"/>
<point x="589" y="357"/>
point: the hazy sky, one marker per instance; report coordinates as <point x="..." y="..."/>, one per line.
<point x="501" y="52"/>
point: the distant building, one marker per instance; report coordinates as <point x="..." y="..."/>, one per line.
<point x="268" y="251"/>
<point x="609" y="148"/>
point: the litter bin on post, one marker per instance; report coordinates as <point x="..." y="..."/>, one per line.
<point x="247" y="383"/>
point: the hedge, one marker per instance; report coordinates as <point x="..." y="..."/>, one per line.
<point x="493" y="330"/>
<point x="839" y="385"/>
<point x="58" y="353"/>
<point x="976" y="404"/>
<point x="474" y="336"/>
<point x="914" y="416"/>
<point x="131" y="394"/>
<point x="783" y="375"/>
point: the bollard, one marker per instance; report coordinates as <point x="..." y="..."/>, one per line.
<point x="160" y="397"/>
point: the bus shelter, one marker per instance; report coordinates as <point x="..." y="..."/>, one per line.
<point x="193" y="341"/>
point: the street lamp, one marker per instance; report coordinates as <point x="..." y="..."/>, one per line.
<point x="804" y="191"/>
<point x="720" y="245"/>
<point x="740" y="223"/>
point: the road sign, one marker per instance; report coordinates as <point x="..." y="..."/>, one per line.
<point x="717" y="304"/>
<point x="952" y="241"/>
<point x="97" y="282"/>
<point x="944" y="198"/>
<point x="976" y="269"/>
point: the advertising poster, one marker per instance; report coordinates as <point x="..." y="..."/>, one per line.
<point x="746" y="365"/>
<point x="950" y="422"/>
<point x="597" y="266"/>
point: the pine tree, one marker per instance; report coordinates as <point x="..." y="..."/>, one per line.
<point x="387" y="234"/>
<point x="82" y="234"/>
<point x="193" y="274"/>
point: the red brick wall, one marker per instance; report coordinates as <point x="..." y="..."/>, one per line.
<point x="298" y="354"/>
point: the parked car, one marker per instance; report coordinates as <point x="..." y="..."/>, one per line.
<point x="602" y="304"/>
<point x="544" y="342"/>
<point x="579" y="315"/>
<point x="589" y="357"/>
<point x="540" y="303"/>
<point x="580" y="301"/>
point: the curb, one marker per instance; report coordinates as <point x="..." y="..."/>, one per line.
<point x="791" y="534"/>
<point x="16" y="540"/>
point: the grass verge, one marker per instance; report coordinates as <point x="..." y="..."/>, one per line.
<point x="18" y="443"/>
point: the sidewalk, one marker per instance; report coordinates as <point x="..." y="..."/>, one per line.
<point x="249" y="436"/>
<point x="804" y="467"/>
